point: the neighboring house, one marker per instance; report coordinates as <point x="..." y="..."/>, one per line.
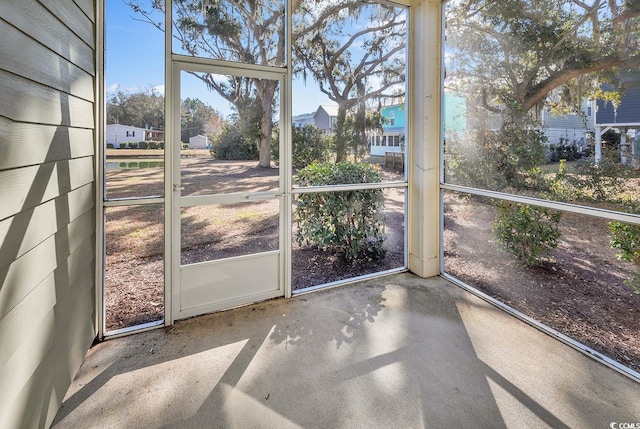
<point x="326" y="117"/>
<point x="300" y="121"/>
<point x="571" y="129"/>
<point x="392" y="138"/>
<point x="463" y="115"/>
<point x="118" y="133"/>
<point x="625" y="118"/>
<point x="199" y="142"/>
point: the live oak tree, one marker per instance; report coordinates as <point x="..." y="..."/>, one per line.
<point x="252" y="31"/>
<point x="517" y="55"/>
<point x="512" y="58"/>
<point x="353" y="63"/>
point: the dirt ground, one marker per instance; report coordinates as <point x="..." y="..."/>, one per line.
<point x="579" y="292"/>
<point x="135" y="246"/>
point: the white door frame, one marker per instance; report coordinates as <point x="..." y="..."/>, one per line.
<point x="236" y="266"/>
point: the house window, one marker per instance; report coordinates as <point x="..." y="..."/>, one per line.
<point x="392" y="119"/>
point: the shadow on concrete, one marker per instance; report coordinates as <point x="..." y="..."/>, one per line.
<point x="389" y="352"/>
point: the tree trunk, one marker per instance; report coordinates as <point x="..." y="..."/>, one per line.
<point x="341" y="138"/>
<point x="266" y="91"/>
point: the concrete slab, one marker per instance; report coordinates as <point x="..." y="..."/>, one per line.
<point x="398" y="351"/>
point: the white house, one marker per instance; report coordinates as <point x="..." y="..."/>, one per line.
<point x="119" y="133"/>
<point x="300" y="121"/>
<point x="199" y="142"/>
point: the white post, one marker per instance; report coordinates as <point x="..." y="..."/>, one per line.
<point x="598" y="145"/>
<point x="624" y="146"/>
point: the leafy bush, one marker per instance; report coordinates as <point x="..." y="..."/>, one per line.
<point x="153" y="145"/>
<point x="529" y="232"/>
<point x="493" y="160"/>
<point x="310" y="144"/>
<point x="626" y="238"/>
<point x="231" y="144"/>
<point x="122" y="145"/>
<point x="143" y="145"/>
<point x="348" y="223"/>
<point x="185" y="146"/>
<point x="132" y="145"/>
<point x="109" y="145"/>
<point x="602" y="178"/>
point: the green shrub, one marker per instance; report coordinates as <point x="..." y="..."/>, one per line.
<point x="109" y="145"/>
<point x="602" y="178"/>
<point x="122" y="145"/>
<point x="185" y="146"/>
<point x="529" y="232"/>
<point x="153" y="145"/>
<point x="310" y="144"/>
<point x="626" y="238"/>
<point x="132" y="145"/>
<point x="143" y="145"/>
<point x="494" y="160"/>
<point x="160" y="145"/>
<point x="348" y="223"/>
<point x="231" y="144"/>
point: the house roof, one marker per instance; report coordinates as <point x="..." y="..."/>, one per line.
<point x="331" y="109"/>
<point x="303" y="117"/>
<point x="628" y="112"/>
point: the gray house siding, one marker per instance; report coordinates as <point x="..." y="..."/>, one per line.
<point x="47" y="204"/>
<point x="627" y="113"/>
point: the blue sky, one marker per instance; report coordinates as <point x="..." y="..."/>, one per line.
<point x="135" y="61"/>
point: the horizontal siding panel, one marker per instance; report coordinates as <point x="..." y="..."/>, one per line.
<point x="42" y="64"/>
<point x="20" y="278"/>
<point x="26" y="101"/>
<point x="37" y="403"/>
<point x="73" y="17"/>
<point x="569" y="122"/>
<point x="23" y="144"/>
<point x="22" y="233"/>
<point x="88" y="7"/>
<point x="30" y="318"/>
<point x="24" y="188"/>
<point x="43" y="359"/>
<point x="36" y="21"/>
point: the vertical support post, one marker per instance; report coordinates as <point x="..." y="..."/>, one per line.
<point x="624" y="146"/>
<point x="425" y="80"/>
<point x="598" y="145"/>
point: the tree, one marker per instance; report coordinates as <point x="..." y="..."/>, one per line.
<point x="352" y="65"/>
<point x="250" y="31"/>
<point x="517" y="55"/>
<point x="198" y="118"/>
<point x="246" y="31"/>
<point x="144" y="109"/>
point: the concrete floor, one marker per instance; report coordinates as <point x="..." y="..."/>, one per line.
<point x="396" y="352"/>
